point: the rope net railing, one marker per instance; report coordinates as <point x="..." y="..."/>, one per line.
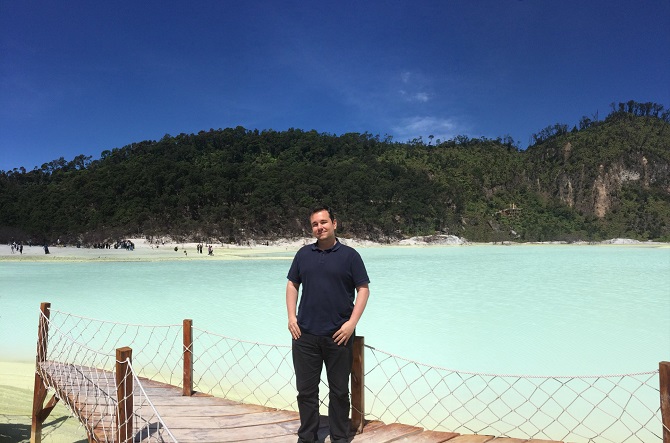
<point x="157" y="349"/>
<point x="598" y="409"/>
<point x="605" y="408"/>
<point x="145" y="423"/>
<point x="244" y="371"/>
<point x="79" y="364"/>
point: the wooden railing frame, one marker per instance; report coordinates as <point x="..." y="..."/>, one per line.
<point x="187" y="382"/>
<point x="358" y="386"/>
<point x="125" y="383"/>
<point x="124" y="395"/>
<point x="41" y="411"/>
<point x="664" y="388"/>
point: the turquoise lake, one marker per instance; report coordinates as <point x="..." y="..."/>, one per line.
<point x="532" y="309"/>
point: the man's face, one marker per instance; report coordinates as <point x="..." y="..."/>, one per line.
<point x="322" y="227"/>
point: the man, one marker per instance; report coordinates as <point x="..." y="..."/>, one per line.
<point x="333" y="277"/>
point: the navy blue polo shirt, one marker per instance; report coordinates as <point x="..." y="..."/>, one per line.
<point x="329" y="279"/>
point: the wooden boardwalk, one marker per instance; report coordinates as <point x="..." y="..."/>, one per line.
<point x="204" y="418"/>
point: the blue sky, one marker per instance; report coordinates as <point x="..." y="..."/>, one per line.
<point x="80" y="77"/>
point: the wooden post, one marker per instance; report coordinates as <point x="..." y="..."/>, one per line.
<point x="188" y="358"/>
<point x="39" y="390"/>
<point x="664" y="387"/>
<point x="124" y="395"/>
<point x="358" y="386"/>
<point x="43" y="332"/>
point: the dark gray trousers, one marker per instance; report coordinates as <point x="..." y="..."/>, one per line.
<point x="310" y="353"/>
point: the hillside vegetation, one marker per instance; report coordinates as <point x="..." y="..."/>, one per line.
<point x="600" y="180"/>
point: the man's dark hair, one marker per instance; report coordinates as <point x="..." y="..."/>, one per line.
<point x="330" y="212"/>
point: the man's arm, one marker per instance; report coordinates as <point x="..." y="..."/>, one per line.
<point x="345" y="332"/>
<point x="291" y="304"/>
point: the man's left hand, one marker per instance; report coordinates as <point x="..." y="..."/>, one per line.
<point x="343" y="334"/>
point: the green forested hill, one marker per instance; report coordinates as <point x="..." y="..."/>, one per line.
<point x="604" y="179"/>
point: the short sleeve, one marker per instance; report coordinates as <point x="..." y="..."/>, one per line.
<point x="294" y="270"/>
<point x="358" y="271"/>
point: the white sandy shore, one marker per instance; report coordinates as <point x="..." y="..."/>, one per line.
<point x="144" y="250"/>
<point x="169" y="250"/>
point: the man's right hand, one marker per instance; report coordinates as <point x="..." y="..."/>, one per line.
<point x="291" y="302"/>
<point x="294" y="328"/>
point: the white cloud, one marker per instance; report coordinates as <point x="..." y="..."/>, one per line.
<point x="413" y="87"/>
<point x="418" y="126"/>
<point x="421" y="97"/>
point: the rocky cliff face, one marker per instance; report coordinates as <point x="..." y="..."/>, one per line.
<point x="588" y="174"/>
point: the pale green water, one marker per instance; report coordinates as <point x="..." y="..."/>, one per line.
<point x="541" y="310"/>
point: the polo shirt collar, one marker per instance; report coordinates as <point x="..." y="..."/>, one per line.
<point x="335" y="247"/>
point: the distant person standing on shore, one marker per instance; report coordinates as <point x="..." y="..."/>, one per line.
<point x="334" y="294"/>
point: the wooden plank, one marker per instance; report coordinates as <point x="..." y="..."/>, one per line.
<point x="429" y="437"/>
<point x="208" y="411"/>
<point x="281" y="439"/>
<point x="93" y="379"/>
<point x="79" y="380"/>
<point x="231" y="421"/>
<point x="176" y="401"/>
<point x="387" y="433"/>
<point x="371" y="425"/>
<point x="471" y="439"/>
<point x="258" y="433"/>
<point x="508" y="440"/>
<point x="152" y="391"/>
